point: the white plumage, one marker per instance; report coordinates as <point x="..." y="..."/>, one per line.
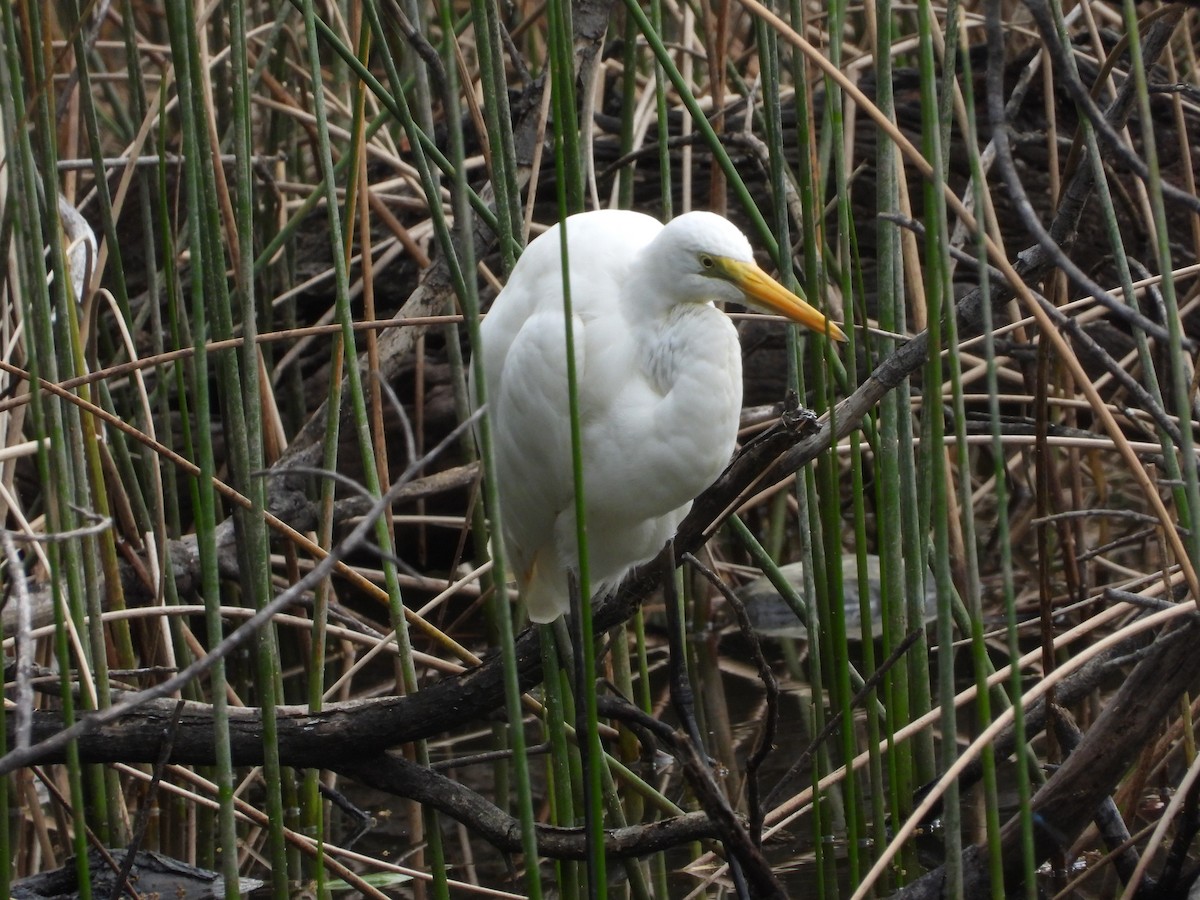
<point x="660" y="388"/>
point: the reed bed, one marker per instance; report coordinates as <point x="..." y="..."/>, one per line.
<point x="251" y="619"/>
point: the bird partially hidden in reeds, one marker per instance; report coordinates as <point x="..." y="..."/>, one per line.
<point x="659" y="388"/>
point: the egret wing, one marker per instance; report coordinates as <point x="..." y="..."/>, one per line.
<point x="525" y="365"/>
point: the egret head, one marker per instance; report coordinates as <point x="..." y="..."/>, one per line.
<point x="706" y="257"/>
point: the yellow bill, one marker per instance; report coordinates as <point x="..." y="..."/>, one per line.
<point x="764" y="291"/>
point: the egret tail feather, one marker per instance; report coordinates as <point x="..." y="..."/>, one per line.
<point x="545" y="593"/>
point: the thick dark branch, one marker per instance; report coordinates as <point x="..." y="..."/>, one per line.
<point x="341" y="732"/>
<point x="400" y="777"/>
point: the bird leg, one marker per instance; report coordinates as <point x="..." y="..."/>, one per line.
<point x="682" y="699"/>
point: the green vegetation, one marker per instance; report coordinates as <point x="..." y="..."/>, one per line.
<point x="250" y="619"/>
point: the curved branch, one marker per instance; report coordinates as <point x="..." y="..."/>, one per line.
<point x="400" y="777"/>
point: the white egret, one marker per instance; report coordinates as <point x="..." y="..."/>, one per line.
<point x="659" y="374"/>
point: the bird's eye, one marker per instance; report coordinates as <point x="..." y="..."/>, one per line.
<point x="706" y="261"/>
